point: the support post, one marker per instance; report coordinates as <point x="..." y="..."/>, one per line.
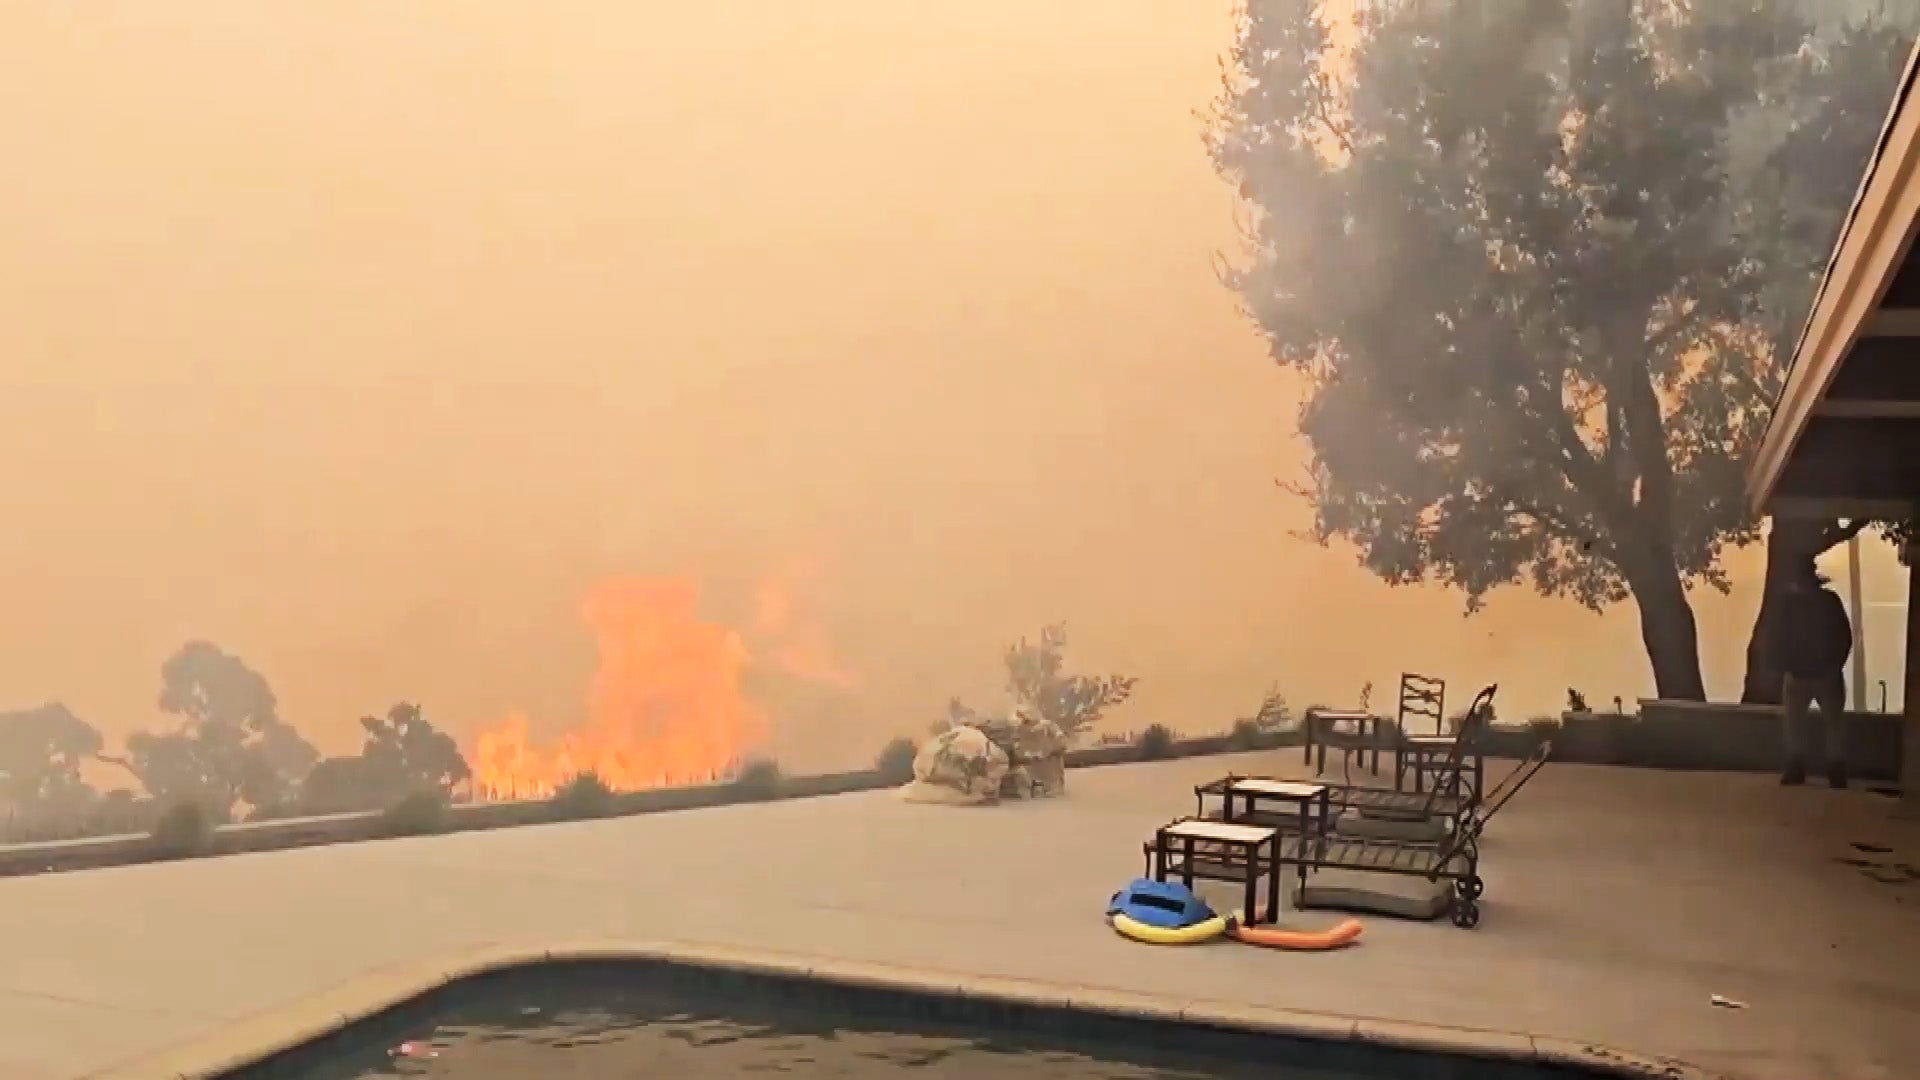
<point x="1910" y="743"/>
<point x="1856" y="607"/>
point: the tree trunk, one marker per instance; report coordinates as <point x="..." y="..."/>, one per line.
<point x="1762" y="684"/>
<point x="1667" y="629"/>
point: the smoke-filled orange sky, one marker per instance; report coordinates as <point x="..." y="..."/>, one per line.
<point x="364" y="338"/>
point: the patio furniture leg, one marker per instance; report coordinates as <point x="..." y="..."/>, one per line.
<point x="1186" y="863"/>
<point x="1159" y="855"/>
<point x="1273" y="881"/>
<point x="1252" y="911"/>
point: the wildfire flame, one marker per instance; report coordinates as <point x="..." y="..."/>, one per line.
<point x="666" y="706"/>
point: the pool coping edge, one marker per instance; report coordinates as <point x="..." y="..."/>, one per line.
<point x="253" y="1038"/>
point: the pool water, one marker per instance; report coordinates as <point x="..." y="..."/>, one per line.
<point x="651" y="1032"/>
<point x="613" y="1021"/>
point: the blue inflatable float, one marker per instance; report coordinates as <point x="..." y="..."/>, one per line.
<point x="1166" y="904"/>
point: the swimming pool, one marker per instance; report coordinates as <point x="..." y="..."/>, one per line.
<point x="584" y="1020"/>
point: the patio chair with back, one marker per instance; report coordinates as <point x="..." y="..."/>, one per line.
<point x="1423" y="758"/>
<point x="1451" y="766"/>
<point x="1423" y="703"/>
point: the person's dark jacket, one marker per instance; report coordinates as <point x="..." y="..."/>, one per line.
<point x="1812" y="636"/>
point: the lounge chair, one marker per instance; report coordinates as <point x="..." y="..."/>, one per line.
<point x="1455" y="860"/>
<point x="1452" y="764"/>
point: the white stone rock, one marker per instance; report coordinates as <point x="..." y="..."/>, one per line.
<point x="959" y="765"/>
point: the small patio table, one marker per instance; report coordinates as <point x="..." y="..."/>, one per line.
<point x="1309" y="803"/>
<point x="1235" y="855"/>
<point x="1322" y="729"/>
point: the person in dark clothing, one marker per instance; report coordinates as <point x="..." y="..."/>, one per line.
<point x="1813" y="639"/>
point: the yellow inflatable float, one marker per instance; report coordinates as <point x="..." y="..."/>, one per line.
<point x="1134" y="929"/>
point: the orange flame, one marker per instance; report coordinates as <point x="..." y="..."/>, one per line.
<point x="666" y="706"/>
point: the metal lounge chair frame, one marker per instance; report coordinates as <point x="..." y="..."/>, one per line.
<point x="1455" y="861"/>
<point x="1454" y="792"/>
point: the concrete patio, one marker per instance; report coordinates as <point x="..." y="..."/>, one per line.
<point x="1618" y="902"/>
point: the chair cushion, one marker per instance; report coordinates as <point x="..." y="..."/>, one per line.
<point x="1378" y="894"/>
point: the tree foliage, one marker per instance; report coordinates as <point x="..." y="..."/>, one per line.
<point x="1037" y="677"/>
<point x="1512" y="258"/>
<point x="230" y="745"/>
<point x="41" y="753"/>
<point x="403" y="753"/>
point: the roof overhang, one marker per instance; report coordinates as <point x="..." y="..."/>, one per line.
<point x="1844" y="440"/>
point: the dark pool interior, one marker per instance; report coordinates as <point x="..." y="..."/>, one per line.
<point x="580" y="1020"/>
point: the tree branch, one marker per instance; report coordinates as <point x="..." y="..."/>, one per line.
<point x="1836" y="534"/>
<point x="1321" y="113"/>
<point x="110" y="759"/>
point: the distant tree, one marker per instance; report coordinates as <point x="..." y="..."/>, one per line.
<point x="405" y="745"/>
<point x="230" y="746"/>
<point x="122" y="812"/>
<point x="41" y="752"/>
<point x="338" y="785"/>
<point x="403" y="753"/>
<point x="1513" y="261"/>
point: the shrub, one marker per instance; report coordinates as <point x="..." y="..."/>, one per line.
<point x="758" y="780"/>
<point x="1156" y="743"/>
<point x="895" y="763"/>
<point x="1544" y="725"/>
<point x="1275" y="714"/>
<point x="419" y="812"/>
<point x="1037" y="680"/>
<point x="584" y="796"/>
<point x="1576" y="701"/>
<point x="184" y="829"/>
<point x="1246" y="735"/>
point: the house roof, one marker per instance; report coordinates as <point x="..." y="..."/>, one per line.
<point x="1844" y="440"/>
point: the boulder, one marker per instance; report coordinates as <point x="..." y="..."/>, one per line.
<point x="959" y="765"/>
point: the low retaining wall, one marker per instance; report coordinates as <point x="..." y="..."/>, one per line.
<point x="1666" y="735"/>
<point x="1716" y="737"/>
<point x="103" y="851"/>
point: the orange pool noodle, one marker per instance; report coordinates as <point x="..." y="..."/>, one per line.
<point x="1343" y="933"/>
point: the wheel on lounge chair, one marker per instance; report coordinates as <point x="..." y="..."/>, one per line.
<point x="1465" y="908"/>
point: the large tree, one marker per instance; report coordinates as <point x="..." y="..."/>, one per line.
<point x="1503" y="243"/>
<point x="230" y="746"/>
<point x="41" y="752"/>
